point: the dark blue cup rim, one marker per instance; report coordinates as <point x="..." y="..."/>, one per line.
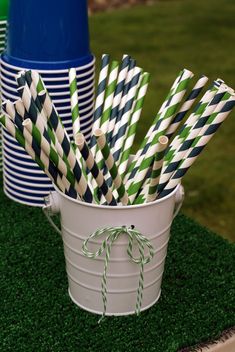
<point x="48" y="66"/>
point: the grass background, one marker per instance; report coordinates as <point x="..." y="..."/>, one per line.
<point x="164" y="38"/>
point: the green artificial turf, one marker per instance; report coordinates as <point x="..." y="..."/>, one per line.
<point x="36" y="313"/>
<point x="164" y="38"/>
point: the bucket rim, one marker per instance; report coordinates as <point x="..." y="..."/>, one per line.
<point x="119" y="207"/>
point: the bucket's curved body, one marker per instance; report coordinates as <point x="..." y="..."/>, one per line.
<point x="79" y="220"/>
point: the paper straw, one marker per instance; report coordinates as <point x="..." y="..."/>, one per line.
<point x="117" y="129"/>
<point x="41" y="91"/>
<point x="51" y="153"/>
<point x="33" y="135"/>
<point x="109" y="94"/>
<point x="20" y="108"/>
<point x="133" y="124"/>
<point x="157" y="167"/>
<point x="75" y="109"/>
<point x="92" y="166"/>
<point x="64" y="140"/>
<point x="74" y="101"/>
<point x="38" y="119"/>
<point x="35" y="154"/>
<point x="140" y="176"/>
<point x="143" y="194"/>
<point x="186" y="106"/>
<point x="101" y="117"/>
<point x="198" y="147"/>
<point x="152" y="127"/>
<point x="118" y="95"/>
<point x="142" y="165"/>
<point x="160" y="123"/>
<point x="45" y="131"/>
<point x="100" y="96"/>
<point x="179" y="154"/>
<point x="28" y="99"/>
<point x="192" y="119"/>
<point x="110" y="163"/>
<point x="30" y="79"/>
<point x="126" y="88"/>
<point x="118" y="140"/>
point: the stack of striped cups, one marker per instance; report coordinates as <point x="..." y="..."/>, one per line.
<point x="50" y="37"/>
<point x="3" y="29"/>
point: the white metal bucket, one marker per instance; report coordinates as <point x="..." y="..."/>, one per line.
<point x="80" y="219"/>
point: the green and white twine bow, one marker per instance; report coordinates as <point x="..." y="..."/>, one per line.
<point x="134" y="238"/>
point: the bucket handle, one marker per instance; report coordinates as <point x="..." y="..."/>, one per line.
<point x="179" y="199"/>
<point x="51" y="208"/>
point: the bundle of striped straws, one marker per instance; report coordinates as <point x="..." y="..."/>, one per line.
<point x="102" y="170"/>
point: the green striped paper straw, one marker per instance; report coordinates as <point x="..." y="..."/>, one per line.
<point x="125" y="91"/>
<point x="152" y="127"/>
<point x="49" y="170"/>
<point x="44" y="130"/>
<point x="110" y="163"/>
<point x="64" y="140"/>
<point x="157" y="167"/>
<point x="133" y="124"/>
<point x="35" y="108"/>
<point x="124" y="112"/>
<point x="26" y="85"/>
<point x="51" y="153"/>
<point x="92" y="166"/>
<point x="204" y="120"/>
<point x="100" y="96"/>
<point x="74" y="101"/>
<point x="118" y="95"/>
<point x="28" y="100"/>
<point x="199" y="144"/>
<point x="192" y="119"/>
<point x="37" y="80"/>
<point x="109" y="94"/>
<point x="34" y="92"/>
<point x="140" y="176"/>
<point x="189" y="101"/>
<point x="143" y="163"/>
<point x="37" y="118"/>
<point x="143" y="194"/>
<point x="119" y="139"/>
<point x="10" y="109"/>
<point x="160" y="123"/>
<point x="75" y="111"/>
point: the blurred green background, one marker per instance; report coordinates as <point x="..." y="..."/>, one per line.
<point x="164" y="38"/>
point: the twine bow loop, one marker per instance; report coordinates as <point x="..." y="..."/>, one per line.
<point x="135" y="240"/>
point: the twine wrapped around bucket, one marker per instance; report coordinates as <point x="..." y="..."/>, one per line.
<point x="112" y="234"/>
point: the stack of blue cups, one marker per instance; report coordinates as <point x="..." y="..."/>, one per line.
<point x="50" y="37"/>
<point x="3" y="30"/>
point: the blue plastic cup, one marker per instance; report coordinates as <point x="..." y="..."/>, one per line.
<point x="48" y="34"/>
